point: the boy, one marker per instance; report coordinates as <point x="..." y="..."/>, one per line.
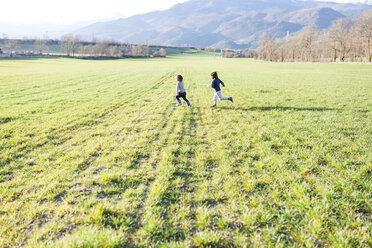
<point x="181" y="92"/>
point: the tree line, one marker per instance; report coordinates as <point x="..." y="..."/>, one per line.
<point x="9" y="45"/>
<point x="34" y="46"/>
<point x="246" y="53"/>
<point x="72" y="46"/>
<point x="342" y="41"/>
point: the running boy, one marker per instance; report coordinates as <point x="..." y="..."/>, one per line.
<point x="216" y="86"/>
<point x="181" y="92"/>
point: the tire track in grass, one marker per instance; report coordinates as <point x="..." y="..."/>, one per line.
<point x="116" y="108"/>
<point x="41" y="78"/>
<point x="148" y="108"/>
<point x="150" y="137"/>
<point x="145" y="109"/>
<point x="167" y="217"/>
<point x="157" y="225"/>
<point x="142" y="162"/>
<point x="153" y="213"/>
<point x="56" y="86"/>
<point x="79" y="123"/>
<point x="58" y="136"/>
<point x="142" y="166"/>
<point x="206" y="198"/>
<point x="227" y="176"/>
<point x="101" y="80"/>
<point x="187" y="178"/>
<point x="79" y="86"/>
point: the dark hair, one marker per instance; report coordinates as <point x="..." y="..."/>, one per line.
<point x="179" y="78"/>
<point x="214" y="75"/>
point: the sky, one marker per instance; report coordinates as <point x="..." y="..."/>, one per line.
<point x="72" y="11"/>
<point x="51" y="18"/>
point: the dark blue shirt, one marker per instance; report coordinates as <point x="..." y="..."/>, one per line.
<point x="216" y="84"/>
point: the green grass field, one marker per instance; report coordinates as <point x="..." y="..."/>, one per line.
<point x="95" y="154"/>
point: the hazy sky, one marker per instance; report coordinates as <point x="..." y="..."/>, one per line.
<point x="72" y="11"/>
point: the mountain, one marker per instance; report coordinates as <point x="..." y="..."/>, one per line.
<point x="222" y="23"/>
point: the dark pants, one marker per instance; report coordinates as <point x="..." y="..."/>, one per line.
<point x="183" y="96"/>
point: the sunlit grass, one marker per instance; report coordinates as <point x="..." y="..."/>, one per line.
<point x="95" y="154"/>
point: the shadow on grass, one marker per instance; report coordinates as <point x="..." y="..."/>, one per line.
<point x="280" y="108"/>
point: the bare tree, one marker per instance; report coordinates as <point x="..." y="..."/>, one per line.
<point x="261" y="50"/>
<point x="357" y="49"/>
<point x="306" y="39"/>
<point x="247" y="53"/>
<point x="84" y="50"/>
<point x="322" y="49"/>
<point x="138" y="50"/>
<point x="125" y="49"/>
<point x="11" y="45"/>
<point x="339" y="36"/>
<point x="341" y="41"/>
<point x="291" y="47"/>
<point x="101" y="48"/>
<point x="211" y="49"/>
<point x="280" y="51"/>
<point x="40" y="46"/>
<point x="163" y="52"/>
<point x="114" y="51"/>
<point x="89" y="50"/>
<point x="364" y="26"/>
<point x="268" y="47"/>
<point x="66" y="44"/>
<point x="227" y="54"/>
<point x="70" y="44"/>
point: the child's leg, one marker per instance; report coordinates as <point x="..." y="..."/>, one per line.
<point x="178" y="99"/>
<point x="185" y="99"/>
<point x="219" y="95"/>
<point x="215" y="97"/>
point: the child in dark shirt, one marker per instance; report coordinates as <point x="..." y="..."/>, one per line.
<point x="216" y="86"/>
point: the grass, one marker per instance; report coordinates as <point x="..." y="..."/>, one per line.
<point x="95" y="154"/>
<point x="202" y="53"/>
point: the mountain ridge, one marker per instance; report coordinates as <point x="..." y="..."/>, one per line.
<point x="238" y="23"/>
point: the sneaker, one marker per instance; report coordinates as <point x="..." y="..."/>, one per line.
<point x="180" y="104"/>
<point x="189" y="105"/>
<point x="231" y="99"/>
<point x="213" y="106"/>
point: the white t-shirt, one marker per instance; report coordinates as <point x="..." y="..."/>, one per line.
<point x="180" y="87"/>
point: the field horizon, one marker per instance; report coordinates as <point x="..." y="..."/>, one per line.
<point x="96" y="154"/>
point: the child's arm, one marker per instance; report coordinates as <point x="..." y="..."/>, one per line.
<point x="178" y="88"/>
<point x="222" y="83"/>
<point x="212" y="85"/>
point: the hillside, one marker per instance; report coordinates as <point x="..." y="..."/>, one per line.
<point x="238" y="23"/>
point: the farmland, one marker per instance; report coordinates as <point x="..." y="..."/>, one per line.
<point x="95" y="154"/>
